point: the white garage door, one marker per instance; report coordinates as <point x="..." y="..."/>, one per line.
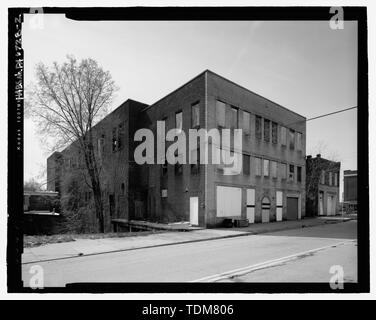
<point x="229" y="201"/>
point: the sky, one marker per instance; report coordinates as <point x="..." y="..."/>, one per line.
<point x="305" y="66"/>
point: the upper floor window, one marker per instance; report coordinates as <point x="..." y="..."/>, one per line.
<point x="283" y="136"/>
<point x="179" y="121"/>
<point x="273" y="165"/>
<point x="336" y="179"/>
<point x="234" y="118"/>
<point x="114" y="139"/>
<point x="258" y="127"/>
<point x="322" y="177"/>
<point x="195" y="161"/>
<point x="330" y="178"/>
<point x="221" y="113"/>
<point x="266" y="130"/>
<point x="266" y="168"/>
<point x="299" y="174"/>
<point x="298" y="141"/>
<point x="246" y="164"/>
<point x="258" y="168"/>
<point x="292" y="138"/>
<point x="246" y="122"/>
<point x="291" y="172"/>
<point x="283" y="169"/>
<point x="101" y="141"/>
<point x="195" y="115"/>
<point x="274" y="132"/>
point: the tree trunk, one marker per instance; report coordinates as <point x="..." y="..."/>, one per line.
<point x="95" y="183"/>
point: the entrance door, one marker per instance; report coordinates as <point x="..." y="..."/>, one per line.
<point x="265" y="213"/>
<point x="331" y="208"/>
<point x="292" y="208"/>
<point x="321" y="203"/>
<point x="111" y="200"/>
<point x="279" y="205"/>
<point x="251" y="205"/>
<point x="193" y="211"/>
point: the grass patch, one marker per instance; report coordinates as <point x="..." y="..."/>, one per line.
<point x="40" y="240"/>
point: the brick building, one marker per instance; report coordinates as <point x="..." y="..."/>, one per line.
<point x="270" y="187"/>
<point x="322" y="186"/>
<point x="350" y="189"/>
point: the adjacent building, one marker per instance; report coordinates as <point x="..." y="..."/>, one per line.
<point x="270" y="187"/>
<point x="322" y="186"/>
<point x="350" y="189"/>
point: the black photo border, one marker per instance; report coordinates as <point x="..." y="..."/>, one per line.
<point x="16" y="159"/>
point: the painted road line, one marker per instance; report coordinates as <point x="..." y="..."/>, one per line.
<point x="265" y="264"/>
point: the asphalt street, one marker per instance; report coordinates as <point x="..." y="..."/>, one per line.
<point x="304" y="254"/>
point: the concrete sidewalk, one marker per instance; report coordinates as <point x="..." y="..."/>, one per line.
<point x="84" y="247"/>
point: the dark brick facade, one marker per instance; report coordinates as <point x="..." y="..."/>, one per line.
<point x="322" y="182"/>
<point x="162" y="193"/>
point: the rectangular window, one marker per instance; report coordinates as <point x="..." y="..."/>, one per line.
<point x="298" y="141"/>
<point x="179" y="121"/>
<point x="282" y="171"/>
<point x="292" y="139"/>
<point x="234" y="118"/>
<point x="258" y="166"/>
<point x="246" y="164"/>
<point x="299" y="174"/>
<point x="291" y="172"/>
<point x="336" y="179"/>
<point x="195" y="158"/>
<point x="114" y="139"/>
<point x="120" y="136"/>
<point x="283" y="136"/>
<point x="221" y="113"/>
<point x="195" y="115"/>
<point x="273" y="165"/>
<point x="246" y="122"/>
<point x="322" y="177"/>
<point x="266" y="130"/>
<point x="330" y="178"/>
<point x="258" y="127"/>
<point x="274" y="132"/>
<point x="266" y="168"/>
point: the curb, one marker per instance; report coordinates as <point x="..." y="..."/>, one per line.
<point x="246" y="233"/>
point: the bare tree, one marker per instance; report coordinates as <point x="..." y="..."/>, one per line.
<point x="32" y="185"/>
<point x="66" y="101"/>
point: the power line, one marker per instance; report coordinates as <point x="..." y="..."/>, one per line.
<point x="329" y="114"/>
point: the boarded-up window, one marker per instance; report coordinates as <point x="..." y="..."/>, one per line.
<point x="273" y="166"/>
<point x="283" y="136"/>
<point x="258" y="127"/>
<point x="274" y="132"/>
<point x="292" y="138"/>
<point x="298" y="141"/>
<point x="234" y="118"/>
<point x="266" y="130"/>
<point x="266" y="168"/>
<point x="195" y="115"/>
<point x="221" y="113"/>
<point x="179" y="121"/>
<point x="299" y="174"/>
<point x="246" y="164"/>
<point x="246" y="122"/>
<point x="258" y="166"/>
<point x="291" y="172"/>
<point x="282" y="170"/>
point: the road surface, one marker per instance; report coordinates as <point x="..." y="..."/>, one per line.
<point x="304" y="254"/>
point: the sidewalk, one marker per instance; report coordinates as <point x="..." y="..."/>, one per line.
<point x="84" y="247"/>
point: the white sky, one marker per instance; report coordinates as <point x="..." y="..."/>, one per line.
<point x="304" y="66"/>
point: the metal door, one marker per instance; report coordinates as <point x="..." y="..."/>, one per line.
<point x="251" y="205"/>
<point x="279" y="205"/>
<point x="265" y="210"/>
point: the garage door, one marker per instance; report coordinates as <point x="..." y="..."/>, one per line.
<point x="292" y="208"/>
<point x="229" y="201"/>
